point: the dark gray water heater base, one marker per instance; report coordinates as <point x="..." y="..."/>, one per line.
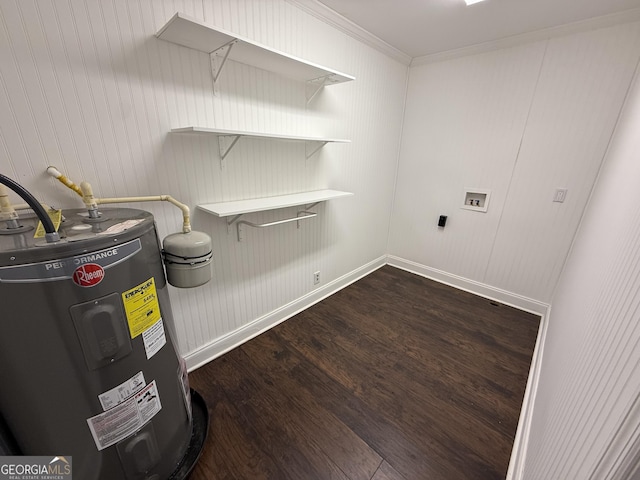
<point x="87" y="348"/>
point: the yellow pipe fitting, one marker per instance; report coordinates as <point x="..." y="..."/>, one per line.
<point x="55" y="173"/>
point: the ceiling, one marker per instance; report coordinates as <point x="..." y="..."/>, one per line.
<point x="424" y="27"/>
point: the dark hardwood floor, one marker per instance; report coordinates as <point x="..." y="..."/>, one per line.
<point x="395" y="377"/>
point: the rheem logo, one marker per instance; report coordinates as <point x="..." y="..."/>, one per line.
<point x="88" y="275"/>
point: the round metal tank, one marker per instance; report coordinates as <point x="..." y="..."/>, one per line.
<point x="87" y="347"/>
<point x="187" y="258"/>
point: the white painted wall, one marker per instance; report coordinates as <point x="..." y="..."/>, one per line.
<point x="590" y="376"/>
<point x="519" y="121"/>
<point x="86" y="86"/>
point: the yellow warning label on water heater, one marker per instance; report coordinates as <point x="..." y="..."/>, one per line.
<point x="141" y="306"/>
<point x="56" y="218"/>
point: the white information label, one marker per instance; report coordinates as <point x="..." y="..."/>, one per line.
<point x="119" y="394"/>
<point x="184" y="379"/>
<point x="121" y="227"/>
<point x="148" y="402"/>
<point x="124" y="419"/>
<point x="154" y="338"/>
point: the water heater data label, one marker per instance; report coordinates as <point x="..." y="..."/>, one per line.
<point x="119" y="394"/>
<point x="154" y="339"/>
<point x="141" y="306"/>
<point x="121" y="227"/>
<point x="119" y="422"/>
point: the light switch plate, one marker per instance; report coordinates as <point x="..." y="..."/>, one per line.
<point x="560" y="195"/>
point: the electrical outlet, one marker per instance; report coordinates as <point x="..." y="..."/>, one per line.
<point x="316" y="278"/>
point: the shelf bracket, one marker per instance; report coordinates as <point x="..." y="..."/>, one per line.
<point x="221" y="54"/>
<point x="312" y="146"/>
<point x="302" y="215"/>
<point x="233" y="220"/>
<point x="224" y="150"/>
<point x="314" y="86"/>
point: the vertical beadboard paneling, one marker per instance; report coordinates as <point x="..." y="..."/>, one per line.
<point x="584" y="409"/>
<point x="88" y="87"/>
<point x="463" y="125"/>
<point x="582" y="86"/>
<point x="519" y="122"/>
<point x="343" y="240"/>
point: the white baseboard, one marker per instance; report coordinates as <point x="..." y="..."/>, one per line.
<point x="233" y="339"/>
<point x="471" y="286"/>
<point x="521" y="441"/>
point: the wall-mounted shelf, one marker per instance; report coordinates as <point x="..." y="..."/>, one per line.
<point x="223" y="45"/>
<point x="227" y="139"/>
<point x="238" y="208"/>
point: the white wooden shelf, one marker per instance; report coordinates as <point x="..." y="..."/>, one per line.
<point x="227" y="139"/>
<point x="238" y="208"/>
<point x="242" y="133"/>
<point x="190" y="32"/>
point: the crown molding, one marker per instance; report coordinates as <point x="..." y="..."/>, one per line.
<point x="627" y="16"/>
<point x="333" y="18"/>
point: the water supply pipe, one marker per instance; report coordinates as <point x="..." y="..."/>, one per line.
<point x="92" y="202"/>
<point x="55" y="173"/>
<point x="187" y="255"/>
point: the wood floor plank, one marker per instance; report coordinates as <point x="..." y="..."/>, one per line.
<point x="478" y="371"/>
<point x="286" y="402"/>
<point x="350" y="453"/>
<point x="442" y="318"/>
<point x="449" y="372"/>
<point x="394" y="377"/>
<point x="374" y="428"/>
<point x="244" y="457"/>
<point x="387" y="472"/>
<point x="419" y="411"/>
<point x="291" y="444"/>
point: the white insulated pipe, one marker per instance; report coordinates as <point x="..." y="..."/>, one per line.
<point x="91" y="202"/>
<point x="86" y="192"/>
<point x="7" y="211"/>
<point x="187" y="255"/>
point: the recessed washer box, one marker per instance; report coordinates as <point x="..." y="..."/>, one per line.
<point x="476" y="199"/>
